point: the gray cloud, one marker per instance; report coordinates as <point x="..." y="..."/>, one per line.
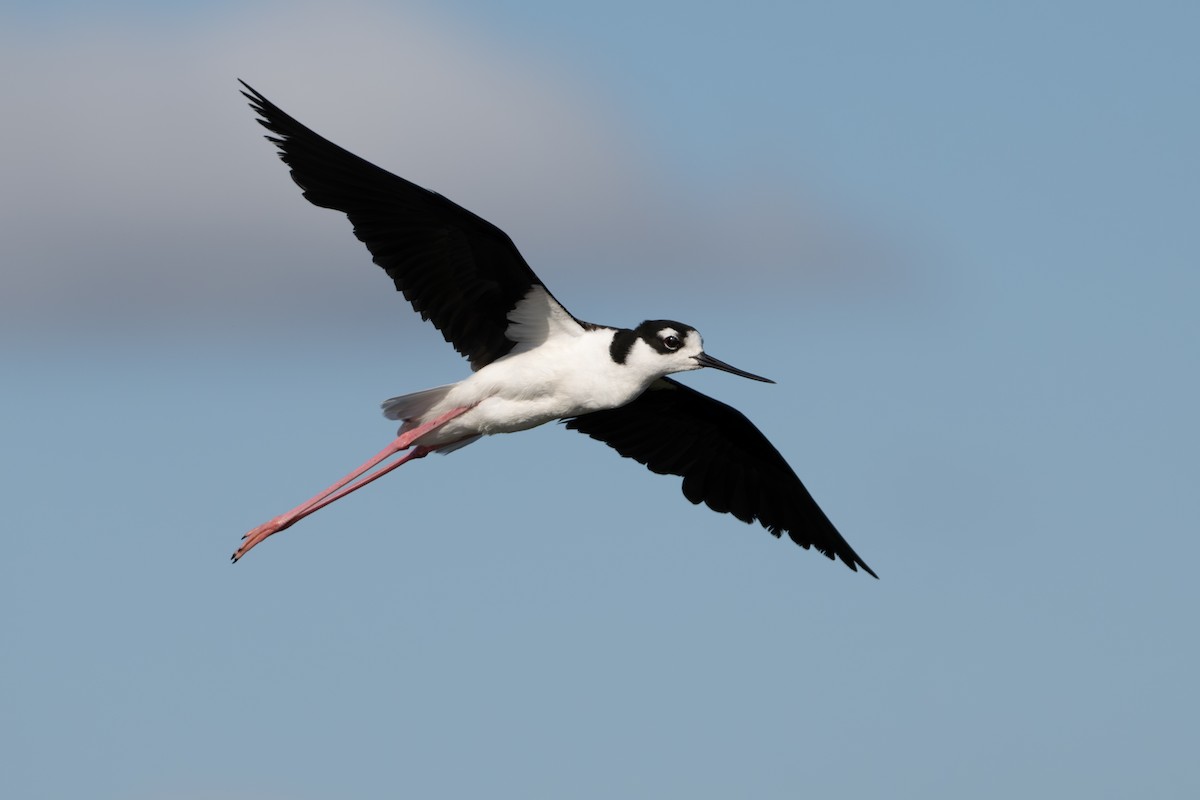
<point x="138" y="185"/>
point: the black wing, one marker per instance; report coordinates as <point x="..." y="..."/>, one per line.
<point x="459" y="271"/>
<point x="724" y="460"/>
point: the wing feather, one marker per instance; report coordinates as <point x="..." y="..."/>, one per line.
<point x="724" y="460"/>
<point x="458" y="271"/>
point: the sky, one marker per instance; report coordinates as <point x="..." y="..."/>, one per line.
<point x="961" y="237"/>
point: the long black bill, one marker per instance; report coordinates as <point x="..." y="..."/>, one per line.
<point x="705" y="360"/>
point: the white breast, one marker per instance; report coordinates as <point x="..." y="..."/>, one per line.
<point x="564" y="376"/>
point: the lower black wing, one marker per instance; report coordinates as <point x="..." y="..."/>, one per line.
<point x="725" y="462"/>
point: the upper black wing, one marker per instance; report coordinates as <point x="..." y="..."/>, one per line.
<point x="724" y="460"/>
<point x="459" y="271"/>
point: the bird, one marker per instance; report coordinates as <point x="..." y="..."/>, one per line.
<point x="532" y="361"/>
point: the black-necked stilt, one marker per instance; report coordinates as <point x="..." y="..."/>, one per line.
<point x="533" y="362"/>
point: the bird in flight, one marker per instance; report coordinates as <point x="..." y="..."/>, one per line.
<point x="534" y="362"/>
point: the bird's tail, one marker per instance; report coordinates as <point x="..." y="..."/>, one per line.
<point x="412" y="407"/>
<point x="408" y="407"/>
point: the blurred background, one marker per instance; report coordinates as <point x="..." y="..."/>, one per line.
<point x="962" y="237"/>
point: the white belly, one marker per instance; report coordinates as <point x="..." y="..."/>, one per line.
<point x="562" y="378"/>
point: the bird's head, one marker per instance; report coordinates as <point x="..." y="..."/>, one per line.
<point x="662" y="346"/>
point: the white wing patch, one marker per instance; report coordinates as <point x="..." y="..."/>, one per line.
<point x="538" y="318"/>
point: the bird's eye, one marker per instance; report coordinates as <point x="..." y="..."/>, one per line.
<point x="672" y="342"/>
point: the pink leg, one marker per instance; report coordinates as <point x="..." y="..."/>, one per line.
<point x="351" y="482"/>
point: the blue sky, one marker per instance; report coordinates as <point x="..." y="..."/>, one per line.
<point x="961" y="237"/>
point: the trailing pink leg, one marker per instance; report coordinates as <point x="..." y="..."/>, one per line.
<point x="352" y="482"/>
